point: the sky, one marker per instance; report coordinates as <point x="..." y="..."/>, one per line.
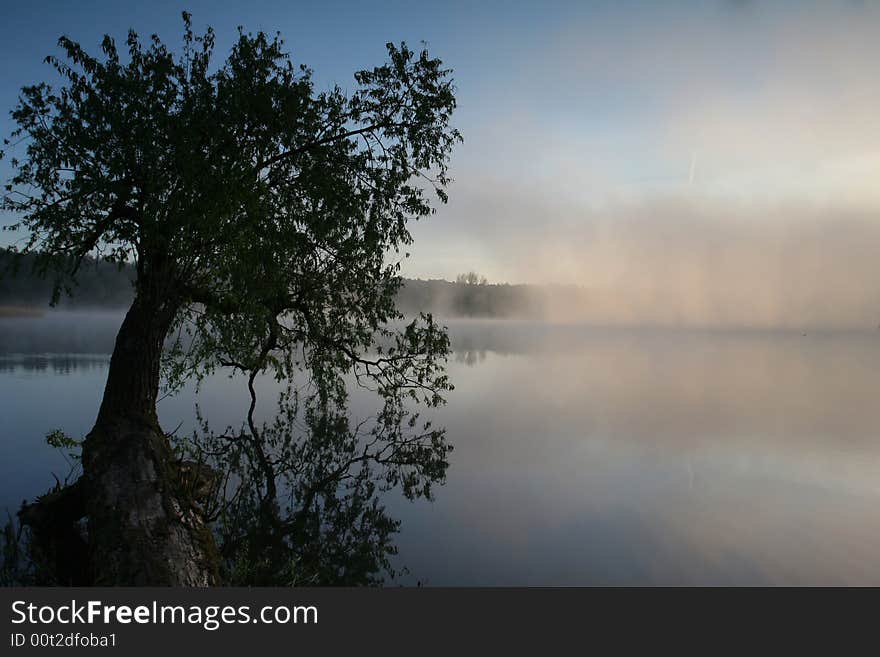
<point x="712" y="162"/>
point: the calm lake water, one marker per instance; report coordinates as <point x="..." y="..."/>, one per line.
<point x="582" y="456"/>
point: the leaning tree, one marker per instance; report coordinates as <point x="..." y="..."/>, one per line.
<point x="265" y="221"/>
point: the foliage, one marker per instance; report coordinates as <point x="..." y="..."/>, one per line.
<point x="65" y="444"/>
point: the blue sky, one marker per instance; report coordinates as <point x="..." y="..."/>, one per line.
<point x="334" y="38"/>
<point x="608" y="144"/>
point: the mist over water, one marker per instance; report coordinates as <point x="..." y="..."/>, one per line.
<point x="583" y="455"/>
<point x="709" y="164"/>
<point x="685" y="263"/>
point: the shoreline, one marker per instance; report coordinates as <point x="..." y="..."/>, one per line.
<point x="21" y="311"/>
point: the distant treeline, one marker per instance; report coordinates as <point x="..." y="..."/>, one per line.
<point x="461" y="299"/>
<point x="103" y="285"/>
<point x="99" y="284"/>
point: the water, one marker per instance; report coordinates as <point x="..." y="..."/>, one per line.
<point x="582" y="456"/>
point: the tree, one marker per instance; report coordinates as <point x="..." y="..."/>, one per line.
<point x="259" y="215"/>
<point x="471" y="278"/>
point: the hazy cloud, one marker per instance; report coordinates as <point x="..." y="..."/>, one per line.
<point x="696" y="163"/>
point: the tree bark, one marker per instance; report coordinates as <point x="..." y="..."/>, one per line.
<point x="144" y="528"/>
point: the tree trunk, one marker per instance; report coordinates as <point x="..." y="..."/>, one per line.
<point x="143" y="527"/>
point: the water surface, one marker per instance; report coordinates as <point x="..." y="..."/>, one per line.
<point x="582" y="455"/>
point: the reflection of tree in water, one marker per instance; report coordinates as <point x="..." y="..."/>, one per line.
<point x="297" y="500"/>
<point x="55" y="363"/>
<point x="470" y="357"/>
<point x="294" y="501"/>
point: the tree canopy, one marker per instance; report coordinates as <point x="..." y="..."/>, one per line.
<point x="255" y="195"/>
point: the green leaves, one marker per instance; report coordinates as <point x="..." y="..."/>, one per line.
<point x="60" y="440"/>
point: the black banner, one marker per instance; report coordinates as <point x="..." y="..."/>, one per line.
<point x="408" y="621"/>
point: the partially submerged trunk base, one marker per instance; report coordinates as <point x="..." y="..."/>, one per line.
<point x="143" y="523"/>
<point x="145" y="527"/>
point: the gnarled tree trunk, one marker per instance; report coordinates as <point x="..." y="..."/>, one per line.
<point x="143" y="526"/>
